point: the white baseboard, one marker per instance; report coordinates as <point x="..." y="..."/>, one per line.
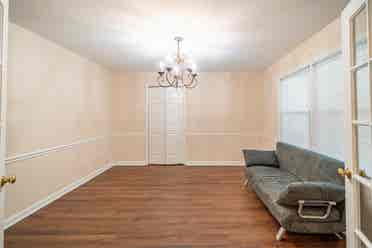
<point x="215" y="163"/>
<point x="52" y="197"/>
<point x="189" y="163"/>
<point x="129" y="163"/>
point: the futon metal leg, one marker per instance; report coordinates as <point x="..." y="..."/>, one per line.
<point x="245" y="184"/>
<point x="339" y="236"/>
<point x="280" y="234"/>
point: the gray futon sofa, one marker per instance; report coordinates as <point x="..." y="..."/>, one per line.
<point x="300" y="188"/>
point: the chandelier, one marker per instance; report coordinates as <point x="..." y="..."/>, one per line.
<point x="177" y="71"/>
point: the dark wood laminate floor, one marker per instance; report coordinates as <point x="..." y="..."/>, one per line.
<point x="158" y="207"/>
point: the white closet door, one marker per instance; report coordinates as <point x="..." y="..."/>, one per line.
<point x="174" y="126"/>
<point x="157" y="126"/>
<point x="166" y="129"/>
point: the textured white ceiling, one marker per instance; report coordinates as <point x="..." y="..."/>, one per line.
<point x="133" y="35"/>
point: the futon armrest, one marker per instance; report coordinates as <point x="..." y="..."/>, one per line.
<point x="327" y="204"/>
<point x="260" y="158"/>
<point x="311" y="191"/>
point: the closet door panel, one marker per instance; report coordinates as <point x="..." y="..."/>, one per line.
<point x="174" y="126"/>
<point x="157" y="126"/>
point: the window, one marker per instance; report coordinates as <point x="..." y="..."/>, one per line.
<point x="312" y="107"/>
<point x="328" y="108"/>
<point x="295" y="112"/>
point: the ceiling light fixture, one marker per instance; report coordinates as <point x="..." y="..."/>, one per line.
<point x="178" y="71"/>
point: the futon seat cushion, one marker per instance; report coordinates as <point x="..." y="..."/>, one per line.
<point x="269" y="183"/>
<point x="260" y="172"/>
<point x="274" y="180"/>
<point x="311" y="191"/>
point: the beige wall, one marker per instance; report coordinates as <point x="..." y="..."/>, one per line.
<point x="54" y="98"/>
<point x="223" y="115"/>
<point x="319" y="45"/>
<point x="57" y="98"/>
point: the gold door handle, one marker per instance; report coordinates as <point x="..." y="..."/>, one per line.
<point x="345" y="173"/>
<point x="363" y="173"/>
<point x="6" y="180"/>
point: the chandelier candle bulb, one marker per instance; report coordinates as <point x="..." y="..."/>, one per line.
<point x="169" y="60"/>
<point x="177" y="71"/>
<point x="193" y="67"/>
<point x="162" y="66"/>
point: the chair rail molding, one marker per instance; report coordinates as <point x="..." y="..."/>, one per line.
<point x="243" y="134"/>
<point x="126" y="134"/>
<point x="45" y="151"/>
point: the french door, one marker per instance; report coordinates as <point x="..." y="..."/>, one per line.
<point x="166" y="139"/>
<point x="357" y="48"/>
<point x="3" y="93"/>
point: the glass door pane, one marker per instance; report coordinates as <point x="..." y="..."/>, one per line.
<point x="360" y="38"/>
<point x="1" y="51"/>
<point x="365" y="211"/>
<point x="362" y="87"/>
<point x="364" y="138"/>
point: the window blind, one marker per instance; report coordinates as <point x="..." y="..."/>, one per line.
<point x="295" y="112"/>
<point x="312" y="108"/>
<point x="328" y="108"/>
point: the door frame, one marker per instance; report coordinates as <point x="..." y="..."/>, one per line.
<point x="353" y="218"/>
<point x="3" y="114"/>
<point x="148" y="86"/>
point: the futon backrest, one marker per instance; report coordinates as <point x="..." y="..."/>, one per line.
<point x="308" y="165"/>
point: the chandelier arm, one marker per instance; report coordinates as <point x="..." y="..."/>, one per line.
<point x="160" y="82"/>
<point x="193" y="84"/>
<point x="160" y="79"/>
<point x="194" y="81"/>
<point x="170" y="83"/>
<point x="164" y="86"/>
<point x="191" y="80"/>
<point x="188" y="82"/>
<point x="173" y="82"/>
